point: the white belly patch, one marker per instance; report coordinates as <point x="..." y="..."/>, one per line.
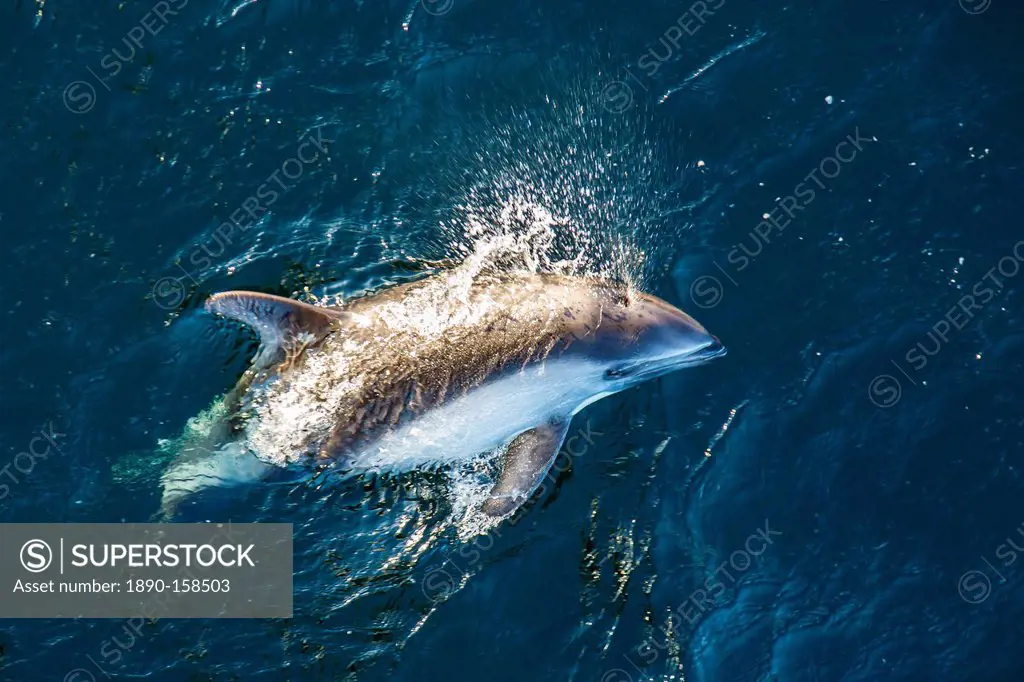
<point x="486" y="417"/>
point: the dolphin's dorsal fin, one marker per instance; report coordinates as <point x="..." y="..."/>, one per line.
<point x="279" y="321"/>
<point x="528" y="458"/>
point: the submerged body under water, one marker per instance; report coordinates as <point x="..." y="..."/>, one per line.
<point x="820" y="184"/>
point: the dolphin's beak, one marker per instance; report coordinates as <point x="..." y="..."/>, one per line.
<point x="672" y="340"/>
<point x="682" y="331"/>
<point x="713" y="349"/>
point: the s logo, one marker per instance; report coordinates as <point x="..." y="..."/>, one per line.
<point x="36" y="556"/>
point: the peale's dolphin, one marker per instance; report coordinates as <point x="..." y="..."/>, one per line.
<point x="439" y="370"/>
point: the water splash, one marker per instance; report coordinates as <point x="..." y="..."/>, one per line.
<point x="520" y="235"/>
<point x="557" y="188"/>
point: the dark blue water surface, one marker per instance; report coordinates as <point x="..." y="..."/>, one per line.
<point x="833" y="500"/>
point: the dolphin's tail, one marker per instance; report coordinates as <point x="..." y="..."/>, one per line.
<point x="203" y="456"/>
<point x="227" y="466"/>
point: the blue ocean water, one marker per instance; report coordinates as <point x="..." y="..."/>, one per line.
<point x="832" y="187"/>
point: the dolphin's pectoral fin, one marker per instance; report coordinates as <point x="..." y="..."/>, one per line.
<point x="279" y="321"/>
<point x="529" y="456"/>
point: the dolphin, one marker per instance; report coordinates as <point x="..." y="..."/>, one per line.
<point x="439" y="370"/>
